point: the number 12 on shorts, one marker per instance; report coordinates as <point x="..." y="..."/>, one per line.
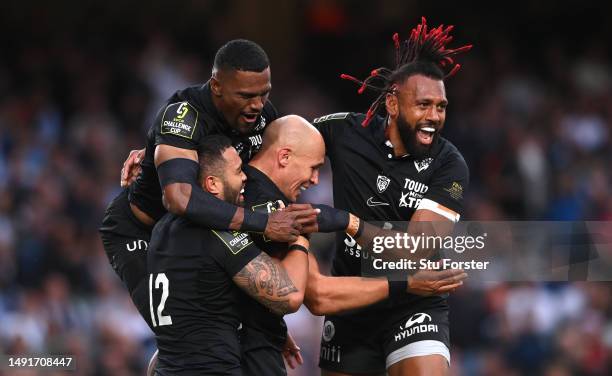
<point x="161" y="281"/>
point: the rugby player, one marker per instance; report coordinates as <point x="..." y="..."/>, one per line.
<point x="195" y="274"/>
<point x="233" y="102"/>
<point x="288" y="163"/>
<point x="398" y="168"/>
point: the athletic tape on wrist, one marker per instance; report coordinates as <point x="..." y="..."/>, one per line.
<point x="398" y="288"/>
<point x="254" y="221"/>
<point x="331" y="219"/>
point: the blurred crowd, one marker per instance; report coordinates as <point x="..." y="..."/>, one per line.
<point x="530" y="110"/>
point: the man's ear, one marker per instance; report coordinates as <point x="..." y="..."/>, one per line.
<point x="283" y="156"/>
<point x="215" y="85"/>
<point x="213" y="185"/>
<point x="392" y="105"/>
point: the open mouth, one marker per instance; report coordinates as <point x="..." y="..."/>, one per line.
<point x="301" y="189"/>
<point x="250" y="117"/>
<point x="425" y="135"/>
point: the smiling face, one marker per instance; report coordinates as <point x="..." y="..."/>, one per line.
<point x="234" y="178"/>
<point x="297" y="158"/>
<point x="418" y="107"/>
<point x="241" y="96"/>
<point x="302" y="170"/>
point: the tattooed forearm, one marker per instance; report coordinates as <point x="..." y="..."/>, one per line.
<point x="267" y="282"/>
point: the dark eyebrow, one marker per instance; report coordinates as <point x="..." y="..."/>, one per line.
<point x="429" y="100"/>
<point x="252" y="94"/>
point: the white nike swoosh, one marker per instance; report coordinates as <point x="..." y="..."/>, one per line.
<point x="371" y="202"/>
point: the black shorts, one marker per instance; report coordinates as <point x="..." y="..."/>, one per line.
<point x="259" y="355"/>
<point x="370" y="344"/>
<point x="125" y="241"/>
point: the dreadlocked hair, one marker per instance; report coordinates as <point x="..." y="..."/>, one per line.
<point x="423" y="53"/>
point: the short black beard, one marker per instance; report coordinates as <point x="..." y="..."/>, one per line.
<point x="232" y="196"/>
<point x="409" y="139"/>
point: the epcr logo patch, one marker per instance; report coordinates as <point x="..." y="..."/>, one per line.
<point x="328" y="331"/>
<point x="422" y="164"/>
<point x="417" y="318"/>
<point x="382" y="183"/>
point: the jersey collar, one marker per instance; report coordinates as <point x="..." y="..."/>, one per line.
<point x="255" y="176"/>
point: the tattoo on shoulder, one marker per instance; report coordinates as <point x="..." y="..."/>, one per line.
<point x="266" y="281"/>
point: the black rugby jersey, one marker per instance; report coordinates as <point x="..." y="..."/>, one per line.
<point x="370" y="182"/>
<point x="193" y="300"/>
<point x="261" y="194"/>
<point x="186" y="118"/>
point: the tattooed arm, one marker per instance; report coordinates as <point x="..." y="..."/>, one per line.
<point x="295" y="262"/>
<point x="266" y="281"/>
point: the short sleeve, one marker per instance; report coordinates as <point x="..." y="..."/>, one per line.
<point x="235" y="251"/>
<point x="177" y="125"/>
<point x="447" y="188"/>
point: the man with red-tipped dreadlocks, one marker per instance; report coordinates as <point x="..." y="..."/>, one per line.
<point x="390" y="168"/>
